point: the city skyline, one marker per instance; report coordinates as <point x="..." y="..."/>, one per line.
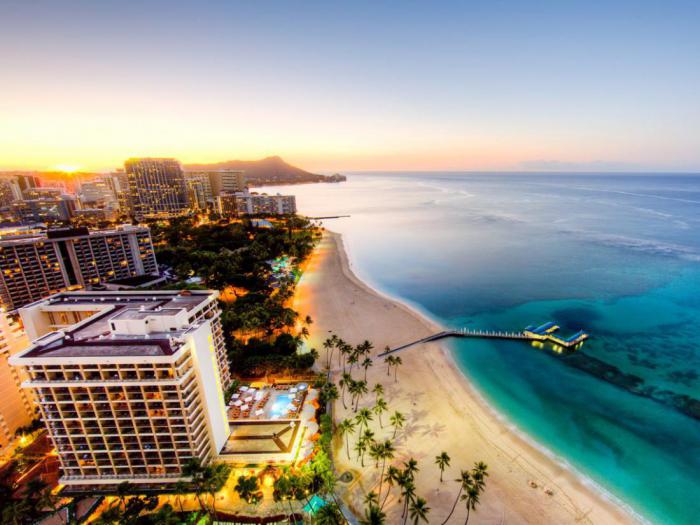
<point x="393" y="87"/>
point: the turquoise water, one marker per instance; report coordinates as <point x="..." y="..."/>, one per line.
<point x="617" y="255"/>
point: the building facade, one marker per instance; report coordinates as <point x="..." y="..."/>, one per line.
<point x="36" y="265"/>
<point x="246" y="203"/>
<point x="155" y="188"/>
<point x="210" y="184"/>
<point x="16" y="405"/>
<point x="46" y="209"/>
<point x="130" y="385"/>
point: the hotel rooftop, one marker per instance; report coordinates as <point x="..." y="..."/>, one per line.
<point x="104" y="324"/>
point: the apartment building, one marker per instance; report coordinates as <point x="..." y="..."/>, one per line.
<point x="16" y="406"/>
<point x="246" y="203"/>
<point x="130" y="384"/>
<point x="38" y="264"/>
<point x="155" y="188"/>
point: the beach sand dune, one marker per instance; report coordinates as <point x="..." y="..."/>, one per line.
<point x="443" y="413"/>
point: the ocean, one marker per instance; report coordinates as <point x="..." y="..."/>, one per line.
<point x="615" y="255"/>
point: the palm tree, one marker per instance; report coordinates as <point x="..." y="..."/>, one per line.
<point x="471" y="485"/>
<point x="363" y="417"/>
<point x="378" y="391"/>
<point x="358" y="389"/>
<point x="123" y="490"/>
<point x="329" y="514"/>
<point x="373" y="516"/>
<point x="216" y="476"/>
<point x="397" y="420"/>
<point x="391" y="477"/>
<point x="464" y="480"/>
<point x="200" y="478"/>
<point x="329" y="345"/>
<point x="353" y="358"/>
<point x="408" y="494"/>
<point x="180" y="488"/>
<point x="361" y="448"/>
<point x="365" y="347"/>
<point x="379" y="409"/>
<point x="329" y="392"/>
<point x="386" y="451"/>
<point x="442" y="461"/>
<point x="371" y="498"/>
<point x="375" y="452"/>
<point x="346" y="427"/>
<point x="366" y="363"/>
<point x="473" y="491"/>
<point x="471" y="499"/>
<point x="410" y="468"/>
<point x="397" y="363"/>
<point x="48" y="500"/>
<point x="345" y="381"/>
<point x="419" y="510"/>
<point x="344" y="350"/>
<point x="246" y="487"/>
<point x="165" y="516"/>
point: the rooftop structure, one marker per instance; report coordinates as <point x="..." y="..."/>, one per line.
<point x="130" y="384"/>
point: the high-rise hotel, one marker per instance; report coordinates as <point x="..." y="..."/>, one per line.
<point x="16" y="406"/>
<point x="155" y="188"/>
<point x="38" y="264"/>
<point x="130" y="384"/>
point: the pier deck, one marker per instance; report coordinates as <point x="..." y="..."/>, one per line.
<point x="528" y="334"/>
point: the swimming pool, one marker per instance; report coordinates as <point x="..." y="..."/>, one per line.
<point x="281" y="406"/>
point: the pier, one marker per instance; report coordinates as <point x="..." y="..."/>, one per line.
<point x="545" y="332"/>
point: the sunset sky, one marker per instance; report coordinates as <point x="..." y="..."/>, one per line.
<point x="561" y="85"/>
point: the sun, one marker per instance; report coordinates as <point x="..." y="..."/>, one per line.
<point x="66" y="168"/>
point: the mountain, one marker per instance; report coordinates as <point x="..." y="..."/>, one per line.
<point x="267" y="171"/>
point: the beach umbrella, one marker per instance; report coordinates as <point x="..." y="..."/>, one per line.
<point x="238" y="402"/>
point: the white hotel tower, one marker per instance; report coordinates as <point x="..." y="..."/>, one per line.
<point x="130" y="384"/>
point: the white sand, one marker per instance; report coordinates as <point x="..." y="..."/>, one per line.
<point x="443" y="412"/>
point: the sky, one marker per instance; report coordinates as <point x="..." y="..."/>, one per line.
<point x="342" y="86"/>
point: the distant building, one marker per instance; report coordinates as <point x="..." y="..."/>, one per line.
<point x="207" y="185"/>
<point x="16" y="406"/>
<point x="59" y="208"/>
<point x="246" y="203"/>
<point x="198" y="192"/>
<point x="9" y="190"/>
<point x="130" y="384"/>
<point x="43" y="193"/>
<point x="155" y="188"/>
<point x="99" y="193"/>
<point x="91" y="216"/>
<point x="227" y="181"/>
<point x="36" y="265"/>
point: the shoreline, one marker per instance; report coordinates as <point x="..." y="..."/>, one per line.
<point x="458" y="416"/>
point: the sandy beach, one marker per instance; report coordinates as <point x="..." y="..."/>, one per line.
<point x="443" y="413"/>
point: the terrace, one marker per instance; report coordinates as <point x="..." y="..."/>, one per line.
<point x="271" y="424"/>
